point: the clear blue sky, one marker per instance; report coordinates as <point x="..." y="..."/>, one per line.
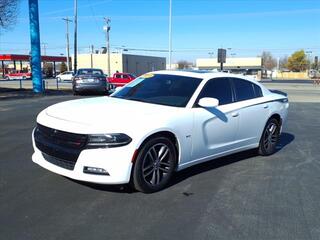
<point x="246" y="26"/>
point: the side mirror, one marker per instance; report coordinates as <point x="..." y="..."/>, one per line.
<point x="208" y="102"/>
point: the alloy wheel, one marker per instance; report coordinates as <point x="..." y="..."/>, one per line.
<point x="271" y="136"/>
<point x="156" y="164"/>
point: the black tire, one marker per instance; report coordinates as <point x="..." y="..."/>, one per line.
<point x="7" y="78"/>
<point x="154" y="165"/>
<point x="270" y="137"/>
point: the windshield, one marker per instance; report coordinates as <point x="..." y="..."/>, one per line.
<point x="90" y="71"/>
<point x="170" y="90"/>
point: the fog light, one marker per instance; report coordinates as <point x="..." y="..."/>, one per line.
<point x="94" y="170"/>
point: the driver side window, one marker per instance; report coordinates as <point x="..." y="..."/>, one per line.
<point x="219" y="88"/>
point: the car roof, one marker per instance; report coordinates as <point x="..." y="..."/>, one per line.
<point x="90" y="69"/>
<point x="203" y="74"/>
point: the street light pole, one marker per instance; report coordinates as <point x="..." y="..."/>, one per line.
<point x="75" y="34"/>
<point x="44" y="45"/>
<point x="67" y="20"/>
<point x="170" y="33"/>
<point x="107" y="28"/>
<point x="309" y="59"/>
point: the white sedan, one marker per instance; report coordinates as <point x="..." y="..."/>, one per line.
<point x="160" y="123"/>
<point x="65" y="76"/>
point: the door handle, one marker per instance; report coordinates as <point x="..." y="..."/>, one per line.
<point x="266" y="106"/>
<point x="235" y="114"/>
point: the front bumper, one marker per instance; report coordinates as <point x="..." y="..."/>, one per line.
<point x="116" y="161"/>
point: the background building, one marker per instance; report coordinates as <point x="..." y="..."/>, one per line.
<point x="135" y="64"/>
<point x="18" y="62"/>
<point x="249" y="65"/>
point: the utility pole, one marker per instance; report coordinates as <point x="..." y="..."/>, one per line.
<point x="91" y="47"/>
<point x="67" y="20"/>
<point x="107" y="28"/>
<point x="44" y="46"/>
<point x="75" y="35"/>
<point x="170" y="33"/>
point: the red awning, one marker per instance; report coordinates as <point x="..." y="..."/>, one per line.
<point x="16" y="57"/>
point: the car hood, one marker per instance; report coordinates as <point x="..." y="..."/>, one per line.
<point x="97" y="114"/>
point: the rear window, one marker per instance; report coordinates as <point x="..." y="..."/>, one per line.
<point x="90" y="71"/>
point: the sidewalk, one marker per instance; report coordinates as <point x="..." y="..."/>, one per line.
<point x="11" y="93"/>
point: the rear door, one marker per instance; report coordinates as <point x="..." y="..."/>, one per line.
<point x="253" y="111"/>
<point x="215" y="129"/>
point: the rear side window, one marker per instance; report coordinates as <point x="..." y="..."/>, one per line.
<point x="219" y="88"/>
<point x="245" y="90"/>
<point x="257" y="90"/>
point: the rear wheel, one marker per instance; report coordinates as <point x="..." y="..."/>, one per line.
<point x="154" y="165"/>
<point x="270" y="137"/>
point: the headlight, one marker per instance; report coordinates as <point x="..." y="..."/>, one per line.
<point x="108" y="140"/>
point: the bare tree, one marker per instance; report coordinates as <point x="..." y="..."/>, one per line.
<point x="8" y="13"/>
<point x="183" y="64"/>
<point x="283" y="62"/>
<point x="268" y="61"/>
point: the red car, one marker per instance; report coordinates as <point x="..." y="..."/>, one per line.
<point x="18" y="75"/>
<point x="121" y="79"/>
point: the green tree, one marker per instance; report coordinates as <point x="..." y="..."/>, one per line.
<point x="297" y="62"/>
<point x="63" y="67"/>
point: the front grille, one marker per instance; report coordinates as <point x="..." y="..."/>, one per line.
<point x="63" y="147"/>
<point x="59" y="162"/>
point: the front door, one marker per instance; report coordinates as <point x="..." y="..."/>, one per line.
<point x="215" y="129"/>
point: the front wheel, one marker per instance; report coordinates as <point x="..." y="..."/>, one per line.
<point x="270" y="138"/>
<point x="154" y="165"/>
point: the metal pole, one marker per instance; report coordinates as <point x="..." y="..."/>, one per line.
<point x="3" y="69"/>
<point x="44" y="48"/>
<point x="108" y="47"/>
<point x="67" y="20"/>
<point x="35" y="46"/>
<point x="170" y="33"/>
<point x="91" y="56"/>
<point x="75" y="34"/>
<point x="107" y="29"/>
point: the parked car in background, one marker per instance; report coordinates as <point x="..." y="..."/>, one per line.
<point x="121" y="79"/>
<point x="161" y="122"/>
<point x="18" y="75"/>
<point x="90" y="79"/>
<point x="65" y="76"/>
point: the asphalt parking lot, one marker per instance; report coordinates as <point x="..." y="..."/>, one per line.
<point x="243" y="196"/>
